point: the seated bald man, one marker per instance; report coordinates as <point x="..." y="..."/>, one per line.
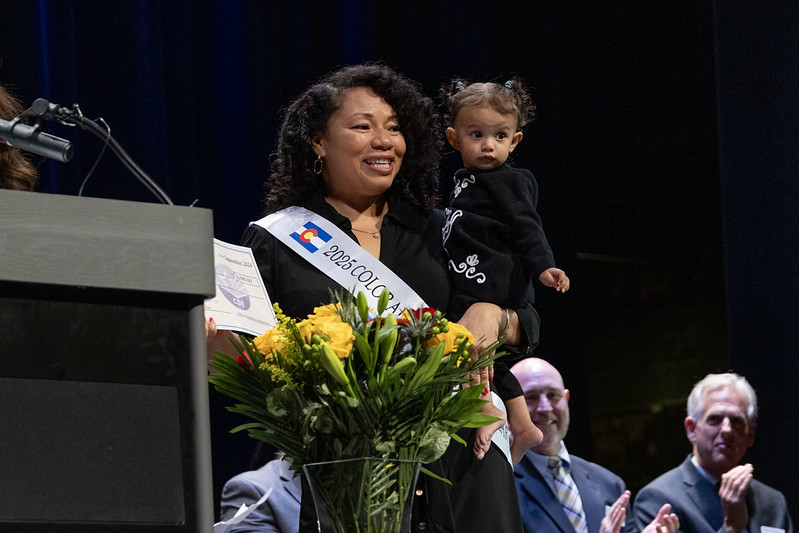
<point x="537" y="473"/>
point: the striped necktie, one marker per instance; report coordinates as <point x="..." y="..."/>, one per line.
<point x="568" y="494"/>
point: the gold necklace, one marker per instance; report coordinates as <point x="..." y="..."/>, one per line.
<point x="375" y="234"/>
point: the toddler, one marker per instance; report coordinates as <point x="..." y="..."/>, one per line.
<point x="493" y="234"/>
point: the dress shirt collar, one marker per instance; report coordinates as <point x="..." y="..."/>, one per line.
<point x="704" y="473"/>
<point x="316" y="203"/>
<point x="541" y="464"/>
<point x="404" y="214"/>
<point x="399" y="211"/>
<point x="540" y="461"/>
<point x="564" y="457"/>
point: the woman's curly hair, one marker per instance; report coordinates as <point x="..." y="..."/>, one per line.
<point x="16" y="171"/>
<point x="292" y="179"/>
<point x="510" y="98"/>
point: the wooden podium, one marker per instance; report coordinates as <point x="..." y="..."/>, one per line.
<point x="103" y="380"/>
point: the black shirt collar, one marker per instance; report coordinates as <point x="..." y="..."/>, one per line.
<point x="400" y="212"/>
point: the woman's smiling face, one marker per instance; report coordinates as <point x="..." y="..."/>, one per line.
<point x="362" y="147"/>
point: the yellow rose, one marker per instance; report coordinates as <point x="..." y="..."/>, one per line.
<point x="325" y="311"/>
<point x="325" y="321"/>
<point x="271" y="341"/>
<point x="450" y="337"/>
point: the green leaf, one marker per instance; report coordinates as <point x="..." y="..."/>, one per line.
<point x="478" y="420"/>
<point x="433" y="444"/>
<point x="457" y="438"/>
<point x="428" y="367"/>
<point x="433" y="475"/>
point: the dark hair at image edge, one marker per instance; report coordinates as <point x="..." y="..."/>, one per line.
<point x="16" y="171"/>
<point x="292" y="179"/>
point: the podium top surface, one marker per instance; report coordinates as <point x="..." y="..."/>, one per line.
<point x="100" y="243"/>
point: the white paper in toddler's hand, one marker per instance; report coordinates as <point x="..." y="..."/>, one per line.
<point x="241" y="302"/>
<point x="241" y="514"/>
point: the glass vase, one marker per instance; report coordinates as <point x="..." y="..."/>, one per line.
<point x="364" y="495"/>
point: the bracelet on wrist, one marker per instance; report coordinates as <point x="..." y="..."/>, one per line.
<point x="505" y="325"/>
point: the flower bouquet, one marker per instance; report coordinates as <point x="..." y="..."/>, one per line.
<point x="348" y="384"/>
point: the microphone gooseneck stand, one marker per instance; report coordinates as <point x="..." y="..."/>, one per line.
<point x="42" y="109"/>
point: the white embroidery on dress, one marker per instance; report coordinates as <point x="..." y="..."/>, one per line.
<point x="462" y="184"/>
<point x="451" y="216"/>
<point x="468" y="270"/>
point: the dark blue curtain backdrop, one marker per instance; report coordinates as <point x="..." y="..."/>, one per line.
<point x="758" y="96"/>
<point x="664" y="148"/>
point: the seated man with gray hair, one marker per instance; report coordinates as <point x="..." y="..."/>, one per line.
<point x="710" y="491"/>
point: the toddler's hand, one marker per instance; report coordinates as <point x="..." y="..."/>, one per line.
<point x="556" y="278"/>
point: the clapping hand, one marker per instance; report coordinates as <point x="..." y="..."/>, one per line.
<point x="732" y="492"/>
<point x="664" y="522"/>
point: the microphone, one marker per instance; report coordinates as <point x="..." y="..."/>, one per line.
<point x="41" y="108"/>
<point x="31" y="139"/>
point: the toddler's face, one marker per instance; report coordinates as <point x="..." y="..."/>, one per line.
<point x="484" y="137"/>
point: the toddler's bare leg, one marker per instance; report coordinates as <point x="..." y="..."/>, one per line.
<point x="525" y="434"/>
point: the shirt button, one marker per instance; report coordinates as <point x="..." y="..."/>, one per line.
<point x="422" y="526"/>
<point x="419" y="492"/>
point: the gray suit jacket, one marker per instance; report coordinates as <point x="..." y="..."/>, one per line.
<point x="541" y="510"/>
<point x="280" y="513"/>
<point x="695" y="502"/>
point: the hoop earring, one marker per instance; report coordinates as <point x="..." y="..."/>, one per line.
<point x="318" y="164"/>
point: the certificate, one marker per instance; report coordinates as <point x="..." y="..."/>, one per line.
<point x="241" y="303"/>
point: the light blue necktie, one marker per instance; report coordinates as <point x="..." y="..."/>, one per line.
<point x="568" y="494"/>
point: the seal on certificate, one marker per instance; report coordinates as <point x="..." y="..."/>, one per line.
<point x="231" y="287"/>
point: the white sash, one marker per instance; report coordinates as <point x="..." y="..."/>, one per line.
<point x="333" y="252"/>
<point x="501" y="437"/>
